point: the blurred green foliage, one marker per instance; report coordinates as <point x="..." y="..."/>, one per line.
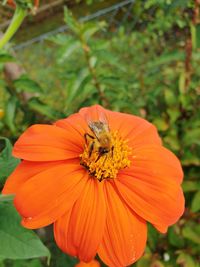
<point x="150" y="67"/>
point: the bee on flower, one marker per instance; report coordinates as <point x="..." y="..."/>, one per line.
<point x="99" y="176"/>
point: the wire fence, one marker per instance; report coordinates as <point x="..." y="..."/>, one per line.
<point x="115" y="16"/>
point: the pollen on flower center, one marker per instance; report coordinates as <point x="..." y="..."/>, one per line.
<point x="105" y="163"/>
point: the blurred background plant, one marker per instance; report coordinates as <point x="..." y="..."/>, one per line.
<point x="140" y="57"/>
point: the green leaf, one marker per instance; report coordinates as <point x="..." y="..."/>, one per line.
<point x="192" y="136"/>
<point x="71" y="21"/>
<point x="69" y="48"/>
<point x="198" y="36"/>
<point x="40" y="107"/>
<point x="175" y="239"/>
<point x="179" y="3"/>
<point x="144" y="261"/>
<point x="59" y="39"/>
<point x="172" y="142"/>
<point x="170" y="97"/>
<point x="152" y="237"/>
<point x="90" y="28"/>
<point x="2" y="83"/>
<point x="76" y="87"/>
<point x="191" y="186"/>
<point x="6" y="198"/>
<point x="181" y="82"/>
<point x="157" y="263"/>
<point x="196" y="202"/>
<point x="161" y="124"/>
<point x="7" y="162"/>
<point x="173" y="113"/>
<point x="190" y="158"/>
<point x="25" y="263"/>
<point x="25" y="84"/>
<point x="193" y="35"/>
<point x="10" y="112"/>
<point x="16" y="241"/>
<point x="185" y="260"/>
<point x="191" y="234"/>
<point x="166" y="59"/>
<point x="5" y="57"/>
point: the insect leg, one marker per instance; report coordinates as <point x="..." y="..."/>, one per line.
<point x="99" y="155"/>
<point x="112" y="150"/>
<point x="91" y="148"/>
<point x="88" y="138"/>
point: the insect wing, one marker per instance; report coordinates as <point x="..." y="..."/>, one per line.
<point x="96" y="127"/>
<point x="103" y="118"/>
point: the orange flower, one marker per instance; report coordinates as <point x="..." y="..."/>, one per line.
<point x="98" y="176"/>
<point x="92" y="263"/>
<point x="12" y="3"/>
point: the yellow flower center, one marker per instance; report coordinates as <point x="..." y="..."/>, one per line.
<point x="104" y="162"/>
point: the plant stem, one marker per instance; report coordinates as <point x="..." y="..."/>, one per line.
<point x="92" y="70"/>
<point x="189" y="45"/>
<point x="17" y="20"/>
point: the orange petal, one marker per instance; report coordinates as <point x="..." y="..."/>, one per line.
<point x="48" y="195"/>
<point x="24" y="171"/>
<point x="93" y="113"/>
<point x="46" y="143"/>
<point x="11" y="3"/>
<point x="151" y="186"/>
<point x="137" y="130"/>
<point x="76" y="123"/>
<point x="61" y="227"/>
<point x="92" y="263"/>
<point x="125" y="233"/>
<point x="80" y="232"/>
<point x="155" y="161"/>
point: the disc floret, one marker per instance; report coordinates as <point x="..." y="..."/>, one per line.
<point x="107" y="165"/>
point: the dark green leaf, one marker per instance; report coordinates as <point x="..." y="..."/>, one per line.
<point x="170" y="97"/>
<point x="10" y="112"/>
<point x="89" y="29"/>
<point x="192" y="136"/>
<point x="190" y="158"/>
<point x="161" y="124"/>
<point x="43" y="109"/>
<point x="152" y="237"/>
<point x="6" y="198"/>
<point x="198" y="36"/>
<point x="185" y="260"/>
<point x="24" y="263"/>
<point x="166" y="58"/>
<point x="16" y="241"/>
<point x="75" y="89"/>
<point x="191" y="234"/>
<point x="7" y="162"/>
<point x="190" y="186"/>
<point x="71" y="21"/>
<point x="157" y="263"/>
<point x="144" y="261"/>
<point x="25" y="84"/>
<point x="68" y="50"/>
<point x="175" y="237"/>
<point x="5" y="57"/>
<point x="196" y="202"/>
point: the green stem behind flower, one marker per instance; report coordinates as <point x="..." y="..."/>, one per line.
<point x="17" y="20"/>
